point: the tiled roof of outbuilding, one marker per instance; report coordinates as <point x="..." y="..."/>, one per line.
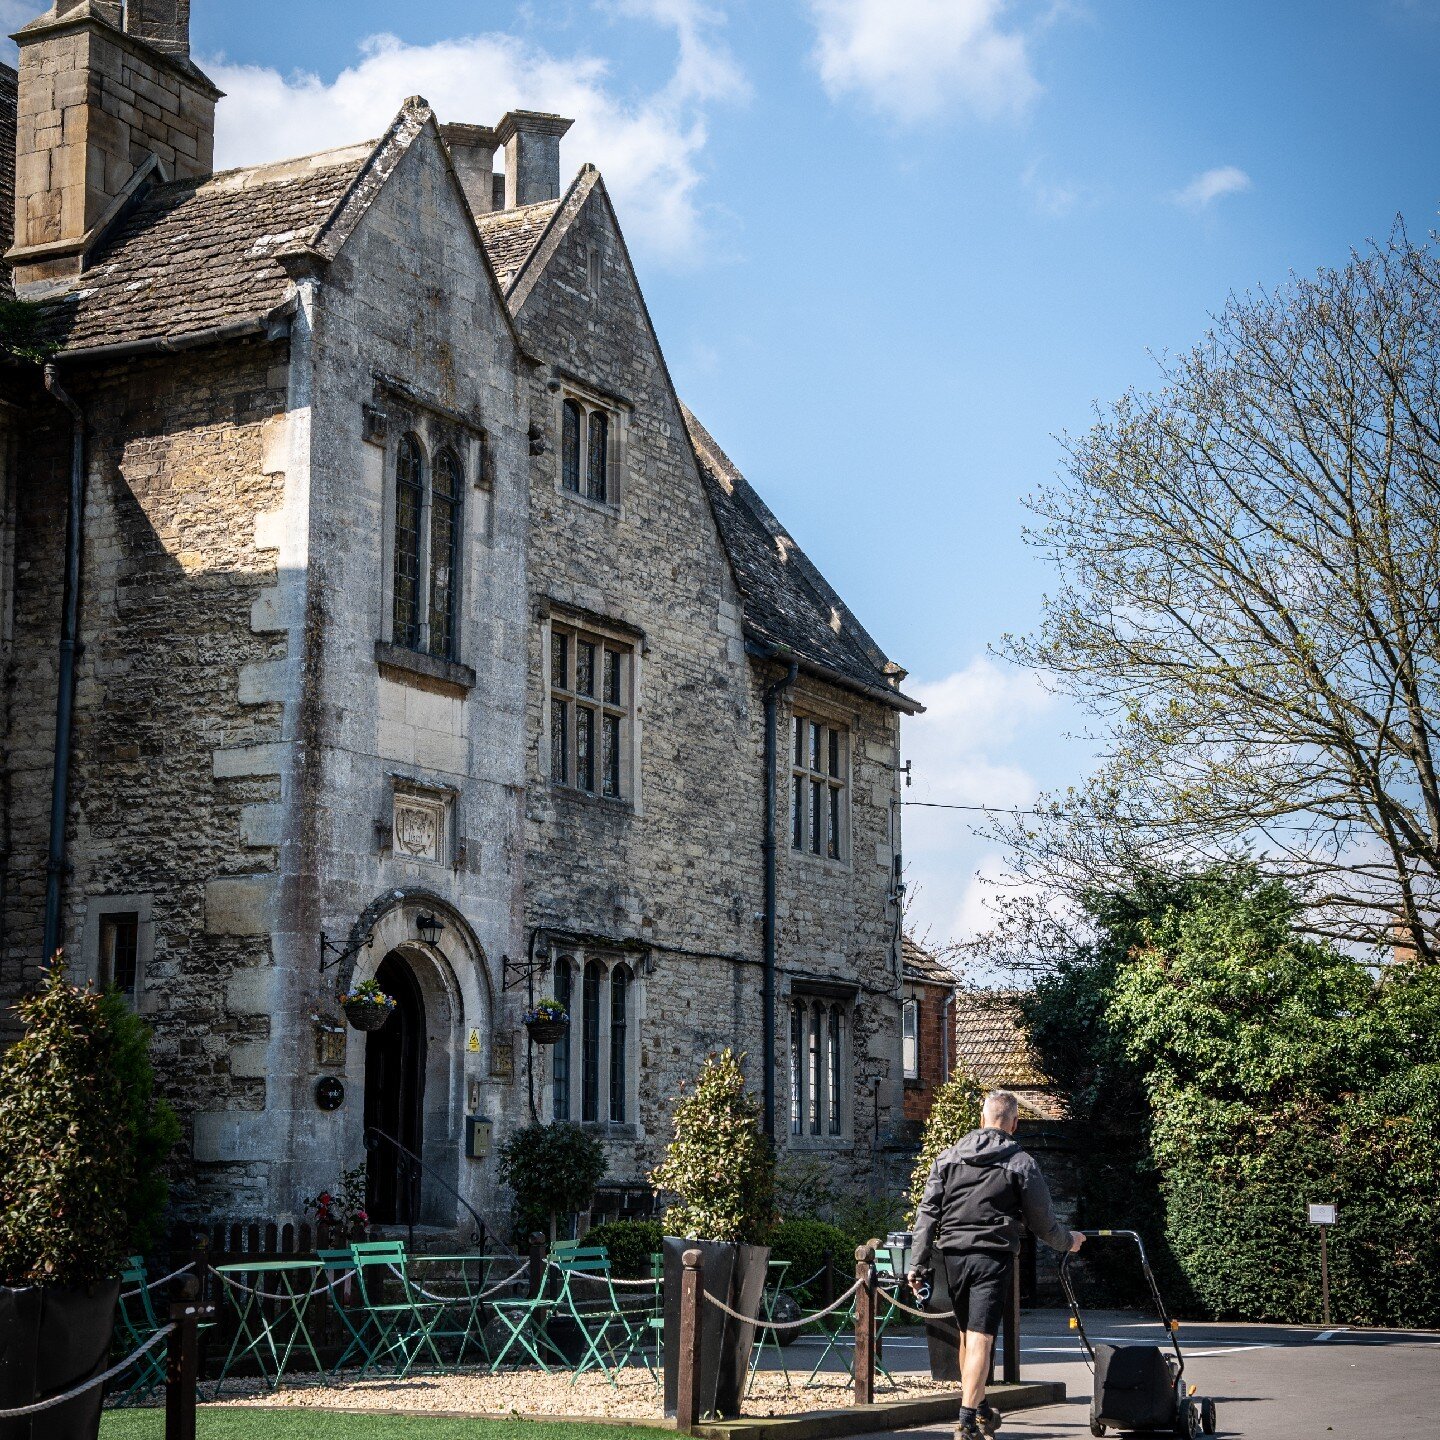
<point x="921" y="965"/>
<point x="198" y="254"/>
<point x="787" y="601"/>
<point x="9" y="102"/>
<point x="510" y="236"/>
<point x="993" y="1049"/>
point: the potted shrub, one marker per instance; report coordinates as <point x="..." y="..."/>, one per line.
<point x="721" y="1169"/>
<point x="367" y="1006"/>
<point x="81" y="1143"/>
<point x="553" y="1170"/>
<point x="547" y="1022"/>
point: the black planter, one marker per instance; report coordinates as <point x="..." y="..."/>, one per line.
<point x="734" y="1274"/>
<point x="547" y="1032"/>
<point x="52" y="1340"/>
<point x="367" y="1015"/>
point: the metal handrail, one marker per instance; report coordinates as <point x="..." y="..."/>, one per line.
<point x="412" y="1162"/>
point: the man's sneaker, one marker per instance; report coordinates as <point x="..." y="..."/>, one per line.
<point x="969" y="1431"/>
<point x="988" y="1418"/>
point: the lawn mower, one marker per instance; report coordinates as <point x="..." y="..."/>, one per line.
<point x="1139" y="1388"/>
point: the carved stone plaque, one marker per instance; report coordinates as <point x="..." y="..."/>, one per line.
<point x="420" y="829"/>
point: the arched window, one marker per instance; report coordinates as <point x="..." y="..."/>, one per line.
<point x="619" y="1040"/>
<point x="832" y="1072"/>
<point x="445" y="500"/>
<point x="819" y="1067"/>
<point x="570" y="447"/>
<point x="560" y="1055"/>
<point x="590" y="1042"/>
<point x="598" y="458"/>
<point x="797" y="1087"/>
<point x="409" y="504"/>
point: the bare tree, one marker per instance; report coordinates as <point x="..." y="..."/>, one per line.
<point x="1249" y="599"/>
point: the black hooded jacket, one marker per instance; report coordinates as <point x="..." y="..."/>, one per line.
<point x="983" y="1193"/>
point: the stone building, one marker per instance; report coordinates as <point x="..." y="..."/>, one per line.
<point x="420" y="634"/>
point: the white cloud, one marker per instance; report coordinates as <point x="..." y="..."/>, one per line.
<point x="1050" y="197"/>
<point x="1211" y="185"/>
<point x="971" y="747"/>
<point x="916" y="59"/>
<point x="648" y="147"/>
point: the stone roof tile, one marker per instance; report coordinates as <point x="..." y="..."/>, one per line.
<point x="510" y="236"/>
<point x="787" y="601"/>
<point x="198" y="254"/>
<point x="992" y="1047"/>
<point x="921" y="965"/>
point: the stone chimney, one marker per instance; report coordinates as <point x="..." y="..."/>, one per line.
<point x="107" y="97"/>
<point x="472" y="149"/>
<point x="532" y="156"/>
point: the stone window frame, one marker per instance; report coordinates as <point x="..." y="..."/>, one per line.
<point x="100" y="907"/>
<point x="590" y="402"/>
<point x="397" y="412"/>
<point x="617" y="1081"/>
<point x="581" y="627"/>
<point x="811" y="712"/>
<point x="910" y="1039"/>
<point x="820" y="1027"/>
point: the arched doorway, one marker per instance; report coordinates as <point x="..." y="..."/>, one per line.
<point x="395" y="1057"/>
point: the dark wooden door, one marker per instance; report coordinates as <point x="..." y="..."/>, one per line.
<point x="395" y="1097"/>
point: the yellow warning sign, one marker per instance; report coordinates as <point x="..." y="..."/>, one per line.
<point x="473" y="1043"/>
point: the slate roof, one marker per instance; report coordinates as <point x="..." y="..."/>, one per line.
<point x="993" y="1049"/>
<point x="787" y="601"/>
<point x="9" y="103"/>
<point x="922" y="966"/>
<point x="197" y="254"/>
<point x="510" y="236"/>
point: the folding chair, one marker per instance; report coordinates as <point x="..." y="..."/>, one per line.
<point x="524" y="1323"/>
<point x="764" y="1336"/>
<point x="587" y="1296"/>
<point x="135" y="1323"/>
<point x="842" y="1323"/>
<point x="402" y="1326"/>
<point x="356" y="1321"/>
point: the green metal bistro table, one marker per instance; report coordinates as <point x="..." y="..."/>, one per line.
<point x="463" y="1320"/>
<point x="272" y="1298"/>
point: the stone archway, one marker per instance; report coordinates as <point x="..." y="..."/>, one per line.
<point x="443" y="984"/>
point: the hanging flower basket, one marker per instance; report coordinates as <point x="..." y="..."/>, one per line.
<point x="367" y="1007"/>
<point x="547" y="1023"/>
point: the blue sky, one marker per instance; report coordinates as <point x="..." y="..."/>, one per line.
<point x="893" y="247"/>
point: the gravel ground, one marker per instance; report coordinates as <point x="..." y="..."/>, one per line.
<point x="531" y="1392"/>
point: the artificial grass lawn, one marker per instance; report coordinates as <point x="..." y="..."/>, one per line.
<point x="336" y="1425"/>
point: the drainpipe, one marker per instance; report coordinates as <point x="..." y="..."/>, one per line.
<point x="772" y="722"/>
<point x="55" y="863"/>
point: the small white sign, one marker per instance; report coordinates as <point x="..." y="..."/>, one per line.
<point x="1322" y="1214"/>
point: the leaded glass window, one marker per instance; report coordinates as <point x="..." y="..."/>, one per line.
<point x="817" y="789"/>
<point x="597" y="464"/>
<point x="570" y="427"/>
<point x="819" y="1068"/>
<point x="619" y="1042"/>
<point x="560" y="1052"/>
<point x="409" y="505"/>
<point x="591" y="437"/>
<point x="590" y="711"/>
<point x="590" y="1043"/>
<point x="444" y="553"/>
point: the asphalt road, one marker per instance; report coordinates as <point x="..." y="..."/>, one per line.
<point x="1269" y="1382"/>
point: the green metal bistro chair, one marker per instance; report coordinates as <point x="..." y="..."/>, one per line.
<point x="356" y="1321"/>
<point x="587" y="1296"/>
<point x="525" y="1322"/>
<point x="842" y="1324"/>
<point x="402" y="1325"/>
<point x="135" y="1323"/>
<point x="766" y="1338"/>
<point x="460" y="1324"/>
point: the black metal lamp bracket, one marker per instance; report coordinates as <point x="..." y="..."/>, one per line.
<point x="332" y="954"/>
<point x="521" y="972"/>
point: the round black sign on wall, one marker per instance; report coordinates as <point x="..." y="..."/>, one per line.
<point x="329" y="1093"/>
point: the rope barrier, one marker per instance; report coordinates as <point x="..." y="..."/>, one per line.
<point x="464" y="1298"/>
<point x="155" y="1284"/>
<point x="235" y="1284"/>
<point x="90" y="1384"/>
<point x="930" y="1317"/>
<point x="596" y="1277"/>
<point x="781" y="1324"/>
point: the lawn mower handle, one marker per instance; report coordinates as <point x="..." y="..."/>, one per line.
<point x="1068" y="1287"/>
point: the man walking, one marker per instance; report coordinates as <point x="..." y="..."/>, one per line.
<point x="982" y="1194"/>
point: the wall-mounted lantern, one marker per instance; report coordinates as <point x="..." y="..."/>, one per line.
<point x="431" y="927"/>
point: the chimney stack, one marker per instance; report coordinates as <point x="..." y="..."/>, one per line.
<point x="102" y="92"/>
<point x="532" y="156"/>
<point x="472" y="150"/>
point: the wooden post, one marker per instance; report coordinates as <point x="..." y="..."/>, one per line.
<point x="182" y="1361"/>
<point x="865" y="1326"/>
<point x="1012" y="1326"/>
<point x="692" y="1281"/>
<point x="537" y="1264"/>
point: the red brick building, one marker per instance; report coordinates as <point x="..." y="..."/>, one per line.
<point x="927" y="1029"/>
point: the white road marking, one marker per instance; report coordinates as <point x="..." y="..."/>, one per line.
<point x="1325" y="1335"/>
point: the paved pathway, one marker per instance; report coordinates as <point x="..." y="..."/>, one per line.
<point x="1270" y="1382"/>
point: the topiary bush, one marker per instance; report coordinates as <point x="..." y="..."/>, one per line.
<point x="805" y="1244"/>
<point x="954" y="1112"/>
<point x="719" y="1164"/>
<point x="553" y="1170"/>
<point x="629" y="1244"/>
<point x="81" y="1139"/>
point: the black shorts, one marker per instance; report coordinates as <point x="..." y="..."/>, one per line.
<point x="979" y="1280"/>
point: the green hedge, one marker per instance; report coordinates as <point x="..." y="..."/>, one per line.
<point x="630" y="1244"/>
<point x="804" y="1243"/>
